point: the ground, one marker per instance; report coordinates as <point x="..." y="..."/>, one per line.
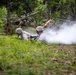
<point x="19" y="57"/>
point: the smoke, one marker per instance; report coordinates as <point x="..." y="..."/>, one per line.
<point x="64" y="34"/>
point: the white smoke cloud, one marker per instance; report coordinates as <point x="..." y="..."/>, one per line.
<point x="66" y="34"/>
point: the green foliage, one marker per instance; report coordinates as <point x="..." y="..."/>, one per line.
<point x="19" y="57"/>
<point x="64" y="1"/>
<point x="3" y="14"/>
<point x="56" y="15"/>
<point x="60" y="9"/>
<point x="41" y="15"/>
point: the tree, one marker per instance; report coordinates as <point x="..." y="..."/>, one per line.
<point x="48" y="9"/>
<point x="7" y="4"/>
<point x="18" y="6"/>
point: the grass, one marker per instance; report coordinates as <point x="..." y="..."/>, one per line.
<point x="19" y="57"/>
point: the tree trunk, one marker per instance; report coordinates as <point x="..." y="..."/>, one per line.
<point x="48" y="9"/>
<point x="61" y="11"/>
<point x="8" y="24"/>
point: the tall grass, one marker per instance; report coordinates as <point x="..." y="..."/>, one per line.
<point x="19" y="57"/>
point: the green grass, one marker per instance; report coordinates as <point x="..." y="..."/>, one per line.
<point x="19" y="57"/>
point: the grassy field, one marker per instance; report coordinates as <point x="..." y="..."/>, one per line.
<point x="19" y="57"/>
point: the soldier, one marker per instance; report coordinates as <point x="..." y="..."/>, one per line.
<point x="39" y="30"/>
<point x="22" y="34"/>
<point x="25" y="35"/>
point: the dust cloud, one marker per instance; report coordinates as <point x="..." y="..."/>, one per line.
<point x="64" y="34"/>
